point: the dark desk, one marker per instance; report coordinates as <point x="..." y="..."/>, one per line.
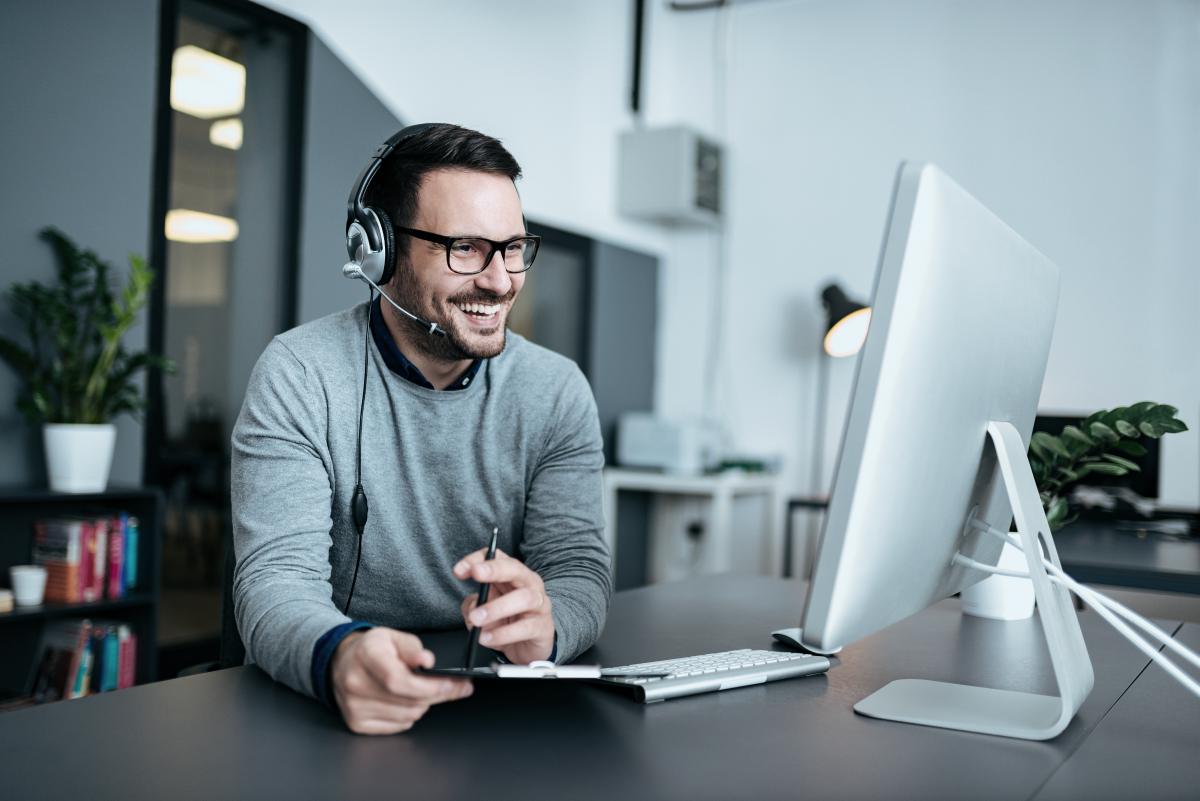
<point x="1098" y="552"/>
<point x="236" y="733"/>
<point x="1146" y="746"/>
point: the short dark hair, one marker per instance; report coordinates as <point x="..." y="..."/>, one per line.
<point x="394" y="188"/>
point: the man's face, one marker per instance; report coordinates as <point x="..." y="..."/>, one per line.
<point x="472" y="309"/>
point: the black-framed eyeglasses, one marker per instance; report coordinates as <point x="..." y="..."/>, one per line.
<point x="469" y="255"/>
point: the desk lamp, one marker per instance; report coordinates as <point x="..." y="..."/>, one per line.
<point x="846" y="323"/>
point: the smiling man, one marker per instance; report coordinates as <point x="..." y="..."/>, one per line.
<point x="451" y="425"/>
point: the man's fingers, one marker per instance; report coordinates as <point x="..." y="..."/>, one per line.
<point x="408" y="648"/>
<point x="462" y="570"/>
<point x="523" y="630"/>
<point x="495" y="571"/>
<point x="511" y="604"/>
<point x="468" y="604"/>
<point x="392" y="678"/>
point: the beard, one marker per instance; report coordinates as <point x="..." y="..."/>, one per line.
<point x="458" y="344"/>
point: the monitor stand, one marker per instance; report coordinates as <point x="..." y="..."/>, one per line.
<point x="1006" y="712"/>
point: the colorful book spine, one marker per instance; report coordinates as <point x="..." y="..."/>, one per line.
<point x="59" y="547"/>
<point x="131" y="552"/>
<point x="64" y="644"/>
<point x="110" y="676"/>
<point x="116" y="558"/>
<point x="127" y="651"/>
<point x="99" y="655"/>
<point x="87" y="563"/>
<point x="99" y="552"/>
<point x="81" y="664"/>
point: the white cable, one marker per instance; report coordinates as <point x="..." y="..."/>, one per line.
<point x="1101" y="609"/>
<point x="1095" y="598"/>
<point x="1107" y="608"/>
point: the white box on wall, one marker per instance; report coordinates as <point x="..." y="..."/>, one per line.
<point x="670" y="175"/>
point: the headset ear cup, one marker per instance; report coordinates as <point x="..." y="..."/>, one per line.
<point x="389" y="246"/>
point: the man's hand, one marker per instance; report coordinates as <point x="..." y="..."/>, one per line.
<point x="374" y="684"/>
<point x="516" y="619"/>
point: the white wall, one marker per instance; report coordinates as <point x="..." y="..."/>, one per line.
<point x="1076" y="121"/>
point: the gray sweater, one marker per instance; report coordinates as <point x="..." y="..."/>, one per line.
<point x="518" y="448"/>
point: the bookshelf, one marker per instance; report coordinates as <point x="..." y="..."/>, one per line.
<point x="21" y="629"/>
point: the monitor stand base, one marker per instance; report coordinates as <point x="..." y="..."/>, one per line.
<point x="1006" y="712"/>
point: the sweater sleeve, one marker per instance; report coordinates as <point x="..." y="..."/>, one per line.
<point x="281" y="489"/>
<point x="563" y="539"/>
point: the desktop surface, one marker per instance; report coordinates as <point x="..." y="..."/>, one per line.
<point x="1117" y="552"/>
<point x="1115" y="764"/>
<point x="236" y="733"/>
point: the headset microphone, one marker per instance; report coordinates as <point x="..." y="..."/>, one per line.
<point x="352" y="270"/>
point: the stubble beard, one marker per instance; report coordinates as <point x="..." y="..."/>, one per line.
<point x="454" y="346"/>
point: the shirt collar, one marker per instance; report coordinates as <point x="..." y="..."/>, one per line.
<point x="399" y="364"/>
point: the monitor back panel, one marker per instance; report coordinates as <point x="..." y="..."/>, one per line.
<point x="962" y="320"/>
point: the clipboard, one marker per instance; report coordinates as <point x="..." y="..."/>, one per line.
<point x="536" y="670"/>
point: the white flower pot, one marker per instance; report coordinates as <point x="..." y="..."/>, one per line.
<point x="78" y="457"/>
<point x="1002" y="597"/>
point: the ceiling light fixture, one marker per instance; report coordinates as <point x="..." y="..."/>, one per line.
<point x="186" y="225"/>
<point x="206" y="85"/>
<point x="226" y="133"/>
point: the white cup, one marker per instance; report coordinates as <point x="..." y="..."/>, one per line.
<point x="28" y="584"/>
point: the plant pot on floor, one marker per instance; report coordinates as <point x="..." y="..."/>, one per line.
<point x="78" y="457"/>
<point x="1002" y="597"/>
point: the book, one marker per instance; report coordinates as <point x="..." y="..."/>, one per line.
<point x="96" y="559"/>
<point x="131" y="552"/>
<point x="116" y="557"/>
<point x="64" y="661"/>
<point x="87" y="558"/>
<point x="59" y="547"/>
<point x="110" y="676"/>
<point x="99" y="634"/>
<point x="127" y="653"/>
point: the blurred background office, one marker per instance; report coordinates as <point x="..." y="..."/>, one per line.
<point x="220" y="137"/>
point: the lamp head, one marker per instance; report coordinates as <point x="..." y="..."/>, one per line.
<point x="846" y="323"/>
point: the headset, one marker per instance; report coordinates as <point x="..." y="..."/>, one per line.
<point x="371" y="248"/>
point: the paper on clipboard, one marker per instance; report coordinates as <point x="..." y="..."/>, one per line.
<point x="547" y="670"/>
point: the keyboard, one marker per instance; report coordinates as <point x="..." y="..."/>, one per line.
<point x="708" y="673"/>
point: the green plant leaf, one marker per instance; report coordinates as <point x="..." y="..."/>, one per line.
<point x="1102" y="432"/>
<point x="1171" y="426"/>
<point x="1067" y="475"/>
<point x="1139" y="410"/>
<point x="1118" y="460"/>
<point x="1126" y="429"/>
<point x="1056" y="512"/>
<point x="73" y="368"/>
<point x="1132" y="448"/>
<point x="1161" y="411"/>
<point x="1050" y="444"/>
<point x="1104" y="468"/>
<point x="1076" y="435"/>
<point x="1150" y="429"/>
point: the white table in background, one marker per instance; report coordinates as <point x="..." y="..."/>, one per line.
<point x="721" y="489"/>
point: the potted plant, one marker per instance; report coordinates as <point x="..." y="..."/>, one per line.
<point x="76" y="372"/>
<point x="1102" y="444"/>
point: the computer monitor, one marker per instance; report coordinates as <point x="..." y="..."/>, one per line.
<point x="934" y="451"/>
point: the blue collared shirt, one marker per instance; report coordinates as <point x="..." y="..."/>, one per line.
<point x="399" y="364"/>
